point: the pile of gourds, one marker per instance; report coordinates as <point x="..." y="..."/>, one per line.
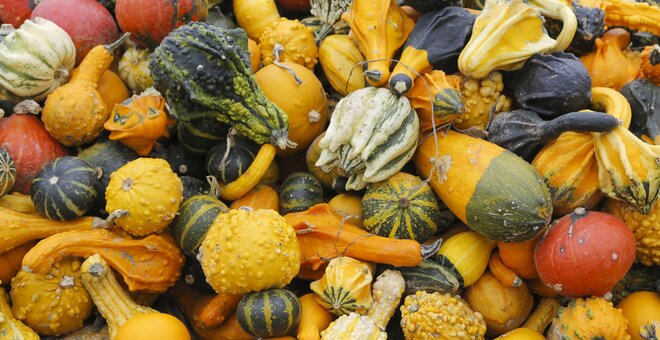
<point x="330" y="169"/>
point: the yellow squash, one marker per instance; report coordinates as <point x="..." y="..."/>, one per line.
<point x="340" y="59"/>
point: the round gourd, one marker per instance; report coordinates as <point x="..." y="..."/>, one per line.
<point x="228" y="166"/>
<point x="201" y="135"/>
<point x="269" y="313"/>
<point x="345" y="287"/>
<point x="184" y="163"/>
<point x="348" y="205"/>
<point x="195" y="216"/>
<point x="641" y="309"/>
<point x="585" y="253"/>
<point x="7" y="172"/>
<point x="134" y="69"/>
<point x="65" y="188"/>
<point x="522" y="334"/>
<point x="260" y="241"/>
<point x="401" y="207"/>
<point x="150" y="192"/>
<point x="299" y="192"/>
<point x="305" y="104"/>
<point x="593" y="318"/>
<point x="153" y="326"/>
<point x="296" y="39"/>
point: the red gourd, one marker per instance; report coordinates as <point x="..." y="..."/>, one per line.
<point x="150" y="21"/>
<point x="14" y="12"/>
<point x="87" y="22"/>
<point x="23" y="135"/>
<point x="585" y="253"/>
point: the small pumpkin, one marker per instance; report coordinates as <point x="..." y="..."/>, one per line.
<point x="195" y="217"/>
<point x="606" y="64"/>
<point x="134" y="69"/>
<point x="340" y="59"/>
<point x="288" y="41"/>
<point x="299" y="192"/>
<point x="591" y="318"/>
<point x="7" y="172"/>
<point x="269" y="313"/>
<point x="345" y="287"/>
<point x="155" y="326"/>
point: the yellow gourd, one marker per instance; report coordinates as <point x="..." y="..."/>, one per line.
<point x="255" y="55"/>
<point x="588" y="319"/>
<point x="255" y="16"/>
<point x="482" y="98"/>
<point x="10" y="328"/>
<point x="110" y="86"/>
<point x="313" y="319"/>
<point x="153" y="326"/>
<point x="340" y="59"/>
<point x="345" y="287"/>
<point x="645" y="227"/>
<point x="258" y="170"/>
<point x="348" y="205"/>
<point x="469" y="253"/>
<point x="607" y="65"/>
<point x="10" y="262"/>
<point x="19" y="203"/>
<point x="134" y="69"/>
<point x="642" y="310"/>
<point x="288" y="40"/>
<point x="521" y="334"/>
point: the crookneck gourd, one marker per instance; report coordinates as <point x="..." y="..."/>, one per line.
<point x="10" y="327"/>
<point x="607" y="64"/>
<point x="372" y="134"/>
<point x="74" y="113"/>
<point x="345" y="287"/>
<point x="380" y="28"/>
<point x="204" y="72"/>
<point x="442" y="105"/>
<point x="154" y="263"/>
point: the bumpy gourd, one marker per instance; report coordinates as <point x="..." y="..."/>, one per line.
<point x="638" y="16"/>
<point x="251" y="239"/>
<point x="255" y="16"/>
<point x="340" y="59"/>
<point x="651" y="63"/>
<point x="149" y="191"/>
<point x="442" y="105"/>
<point x="591" y="318"/>
<point x="420" y="312"/>
<point x="134" y="69"/>
<point x="482" y="99"/>
<point x="345" y="287"/>
<point x="290" y="41"/>
<point x="74" y="113"/>
<point x="645" y="227"/>
<point x="10" y="328"/>
<point x="607" y="64"/>
<point x="52" y="304"/>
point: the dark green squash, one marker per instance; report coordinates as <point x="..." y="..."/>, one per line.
<point x="228" y="162"/>
<point x="435" y="43"/>
<point x="402" y="207"/>
<point x="200" y="135"/>
<point x="638" y="278"/>
<point x="7" y="172"/>
<point x="65" y="188"/>
<point x="204" y="71"/>
<point x="551" y="84"/>
<point x="217" y="18"/>
<point x="524" y="132"/>
<point x="299" y="191"/>
<point x="193" y="186"/>
<point x="269" y="313"/>
<point x="195" y="216"/>
<point x="590" y="25"/>
<point x="644" y="99"/>
<point x="642" y="39"/>
<point x="183" y="162"/>
<point x="429" y="276"/>
<point x="424" y="6"/>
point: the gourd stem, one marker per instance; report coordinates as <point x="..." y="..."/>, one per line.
<point x="429" y="250"/>
<point x="323" y="32"/>
<point x="214" y="186"/>
<point x="277" y="50"/>
<point x="579" y="122"/>
<point x="110" y="221"/>
<point x="113" y="46"/>
<point x="27" y="106"/>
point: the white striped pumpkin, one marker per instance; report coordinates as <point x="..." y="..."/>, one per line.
<point x="7" y="172"/>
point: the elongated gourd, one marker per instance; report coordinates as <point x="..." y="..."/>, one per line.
<point x="252" y="175"/>
<point x="502" y="273"/>
<point x="10" y="328"/>
<point x="255" y="16"/>
<point x="467" y="254"/>
<point x="18" y="202"/>
<point x="217" y="309"/>
<point x="493" y="191"/>
<point x="10" y="262"/>
<point x="542" y="316"/>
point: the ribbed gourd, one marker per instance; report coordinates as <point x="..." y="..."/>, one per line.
<point x="328" y="13"/>
<point x="269" y="313"/>
<point x="340" y="59"/>
<point x="230" y="159"/>
<point x="195" y="217"/>
<point x="372" y="134"/>
<point x="442" y="105"/>
<point x="134" y="69"/>
<point x="607" y="64"/>
<point x="345" y="287"/>
<point x="7" y="172"/>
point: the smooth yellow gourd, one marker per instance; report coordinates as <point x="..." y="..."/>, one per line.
<point x="642" y="310"/>
<point x="341" y="61"/>
<point x="348" y="205"/>
<point x="521" y="334"/>
<point x="468" y="252"/>
<point x="313" y="319"/>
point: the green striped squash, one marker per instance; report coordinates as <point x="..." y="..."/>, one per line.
<point x="200" y="135"/>
<point x="241" y="154"/>
<point x="430" y="277"/>
<point x="402" y="207"/>
<point x="195" y="216"/>
<point x="269" y="313"/>
<point x="7" y="172"/>
<point x="65" y="188"/>
<point x="299" y="192"/>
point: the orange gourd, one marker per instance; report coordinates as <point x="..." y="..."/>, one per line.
<point x="650" y="68"/>
<point x="348" y="205"/>
<point x="642" y="310"/>
<point x="502" y="273"/>
<point x="439" y="106"/>
<point x="10" y="262"/>
<point x="153" y="326"/>
<point x="110" y="86"/>
<point x="607" y="64"/>
<point x="519" y="256"/>
<point x="262" y="196"/>
<point x="255" y="55"/>
<point x="313" y="319"/>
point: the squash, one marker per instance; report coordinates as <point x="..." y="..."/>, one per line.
<point x="503" y="308"/>
<point x="10" y="262"/>
<point x="18" y="202"/>
<point x="134" y="69"/>
<point x="153" y="326"/>
<point x="372" y="134"/>
<point x="52" y="304"/>
<point x="644" y="227"/>
<point x="74" y="113"/>
<point x="650" y="61"/>
<point x="16" y="12"/>
<point x="257" y="172"/>
<point x="521" y="334"/>
<point x="638" y="16"/>
<point x="255" y="55"/>
<point x="238" y="102"/>
<point x="305" y="104"/>
<point x="312" y="156"/>
<point x="65" y="189"/>
<point x="642" y="310"/>
<point x="269" y="313"/>
<point x="255" y="16"/>
<point x="442" y="105"/>
<point x="10" y="327"/>
<point x="380" y="28"/>
<point x="606" y="63"/>
<point x="545" y="311"/>
<point x="299" y="192"/>
<point x="36" y="59"/>
<point x="402" y="206"/>
<point x="420" y="312"/>
<point x="350" y="206"/>
<point x="23" y="135"/>
<point x="154" y="265"/>
<point x="466" y="254"/>
<point x="329" y="14"/>
<point x="265" y="236"/>
<point x="111" y="87"/>
<point x="213" y="310"/>
<point x="495" y="178"/>
<point x="288" y="41"/>
<point x="314" y="318"/>
<point x="387" y="292"/>
<point x="434" y="43"/>
<point x="430" y="276"/>
<point x="201" y="135"/>
<point x="262" y="196"/>
<point x="591" y="318"/>
<point x="505" y="275"/>
<point x="195" y="217"/>
<point x="599" y="246"/>
<point x="341" y="61"/>
<point x="229" y="159"/>
<point x="643" y="97"/>
<point x="147" y="180"/>
<point x="482" y="98"/>
<point x="519" y="256"/>
<point x="7" y="172"/>
<point x="345" y="287"/>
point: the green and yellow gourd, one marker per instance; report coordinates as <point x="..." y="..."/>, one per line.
<point x="134" y="69"/>
<point x="466" y="254"/>
<point x="7" y="172"/>
<point x="230" y="159"/>
<point x="345" y="287"/>
<point x="201" y="135"/>
<point x="442" y="105"/>
<point x="299" y="192"/>
<point x="269" y="313"/>
<point x="195" y="216"/>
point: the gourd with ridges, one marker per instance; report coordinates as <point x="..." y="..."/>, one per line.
<point x="10" y="327"/>
<point x="269" y="313"/>
<point x="7" y="172"/>
<point x="645" y="227"/>
<point x="592" y="318"/>
<point x="193" y="220"/>
<point x="445" y="103"/>
<point x="201" y="84"/>
<point x="345" y="287"/>
<point x="299" y="192"/>
<point x="65" y="188"/>
<point x="134" y="69"/>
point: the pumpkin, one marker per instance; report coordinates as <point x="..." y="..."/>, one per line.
<point x="10" y="262"/>
<point x="606" y="63"/>
<point x="345" y="287"/>
<point x="288" y="41"/>
<point x="420" y="311"/>
<point x="36" y="59"/>
<point x="148" y="28"/>
<point x="7" y="172"/>
<point x="201" y="135"/>
<point x="329" y="14"/>
<point x="599" y="246"/>
<point x="74" y="114"/>
<point x="466" y="254"/>
<point x="591" y="318"/>
<point x="10" y="327"/>
<point x="146" y="180"/>
<point x="297" y="91"/>
<point x="265" y="236"/>
<point x="15" y="12"/>
<point x="314" y="318"/>
<point x="482" y="98"/>
<point x="134" y="69"/>
<point x="643" y="97"/>
<point x="402" y="206"/>
<point x="503" y="308"/>
<point x="442" y="105"/>
<point x="645" y="227"/>
<point x="350" y="206"/>
<point x="299" y="192"/>
<point x="52" y="304"/>
<point x="269" y="313"/>
<point x="255" y="16"/>
<point x="380" y="28"/>
<point x="262" y="196"/>
<point x="65" y="189"/>
<point x="341" y="61"/>
<point x="193" y="220"/>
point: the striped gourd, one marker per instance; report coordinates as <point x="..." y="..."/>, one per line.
<point x="467" y="254"/>
<point x="7" y="172"/>
<point x="430" y="277"/>
<point x="401" y="207"/>
<point x="200" y="135"/>
<point x="65" y="189"/>
<point x="299" y="192"/>
<point x="228" y="166"/>
<point x="269" y="313"/>
<point x="195" y="216"/>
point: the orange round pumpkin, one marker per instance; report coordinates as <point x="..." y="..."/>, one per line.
<point x="153" y="326"/>
<point x="641" y="309"/>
